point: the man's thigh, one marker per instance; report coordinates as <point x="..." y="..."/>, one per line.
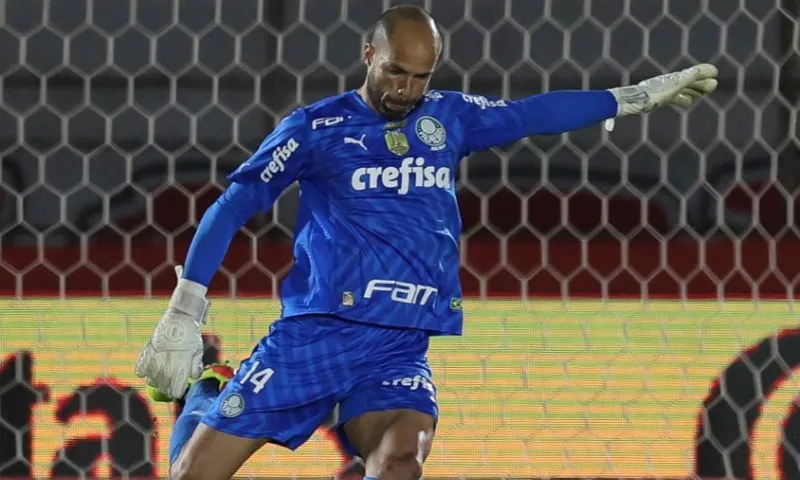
<point x="394" y="443"/>
<point x="213" y="455"/>
<point x="395" y="400"/>
<point x="391" y="429"/>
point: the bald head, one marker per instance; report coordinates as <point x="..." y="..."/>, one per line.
<point x="404" y="21"/>
<point x="402" y="52"/>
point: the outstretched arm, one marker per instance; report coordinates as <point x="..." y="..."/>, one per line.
<point x="498" y="122"/>
<point x="492" y="123"/>
<point x="280" y="160"/>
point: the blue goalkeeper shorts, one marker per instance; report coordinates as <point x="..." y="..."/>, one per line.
<point x="308" y="365"/>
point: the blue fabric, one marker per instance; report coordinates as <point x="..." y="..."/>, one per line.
<point x="305" y="366"/>
<point x="199" y="400"/>
<point x="546" y="114"/>
<point x="378" y="225"/>
<point x="216" y="230"/>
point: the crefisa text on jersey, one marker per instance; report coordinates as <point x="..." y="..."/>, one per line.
<point x="482" y="101"/>
<point x="411" y="172"/>
<point x="279" y="157"/>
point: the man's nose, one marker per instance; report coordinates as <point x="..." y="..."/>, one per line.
<point x="404" y="88"/>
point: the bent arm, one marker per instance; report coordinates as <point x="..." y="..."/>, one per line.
<point x="281" y="159"/>
<point x="216" y="230"/>
<point x="496" y="123"/>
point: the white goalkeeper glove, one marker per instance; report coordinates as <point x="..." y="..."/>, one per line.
<point x="174" y="353"/>
<point x="675" y="88"/>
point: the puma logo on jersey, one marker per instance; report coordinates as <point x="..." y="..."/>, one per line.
<point x="279" y="157"/>
<point x="356" y="141"/>
<point x="412" y="172"/>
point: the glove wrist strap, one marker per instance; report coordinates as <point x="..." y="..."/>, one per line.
<point x="192" y="287"/>
<point x="630" y="100"/>
<point x="189" y="298"/>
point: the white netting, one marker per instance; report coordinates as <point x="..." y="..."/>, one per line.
<point x="120" y="120"/>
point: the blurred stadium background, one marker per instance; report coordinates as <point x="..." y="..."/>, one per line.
<point x="631" y="293"/>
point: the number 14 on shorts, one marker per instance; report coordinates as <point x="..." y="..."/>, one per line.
<point x="258" y="378"/>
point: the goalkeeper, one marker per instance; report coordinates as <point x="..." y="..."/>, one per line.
<point x="376" y="258"/>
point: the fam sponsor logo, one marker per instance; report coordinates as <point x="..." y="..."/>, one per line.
<point x="401" y="292"/>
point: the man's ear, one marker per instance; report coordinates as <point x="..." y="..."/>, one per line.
<point x="369" y="54"/>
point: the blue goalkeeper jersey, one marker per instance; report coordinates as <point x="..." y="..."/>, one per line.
<point x="378" y="225"/>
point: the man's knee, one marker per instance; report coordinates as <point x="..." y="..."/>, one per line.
<point x="398" y="463"/>
<point x="403" y="449"/>
<point x="187" y="467"/>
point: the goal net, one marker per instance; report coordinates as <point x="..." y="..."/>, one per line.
<point x="629" y="295"/>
